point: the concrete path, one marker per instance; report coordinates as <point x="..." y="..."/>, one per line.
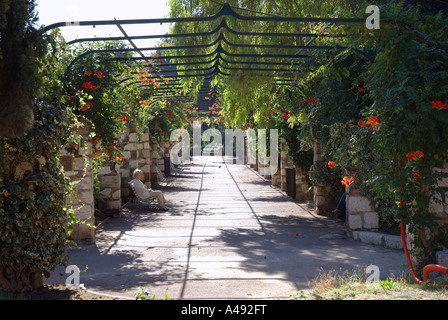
<point x="228" y="235"/>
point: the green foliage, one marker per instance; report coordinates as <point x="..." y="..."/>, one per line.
<point x="34" y="218"/>
<point x="399" y="88"/>
<point x="145" y="294"/>
<point x="21" y="48"/>
<point x="297" y="149"/>
<point x="96" y="97"/>
<point x="407" y="76"/>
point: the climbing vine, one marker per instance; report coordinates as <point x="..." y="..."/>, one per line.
<point x="408" y="82"/>
<point x="382" y="120"/>
<point x="35" y="221"/>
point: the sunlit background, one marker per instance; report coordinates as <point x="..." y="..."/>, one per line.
<point x="52" y="11"/>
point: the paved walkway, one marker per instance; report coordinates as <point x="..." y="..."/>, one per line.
<point x="229" y="235"/>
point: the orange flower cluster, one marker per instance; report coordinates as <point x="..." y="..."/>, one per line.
<point x="195" y="109"/>
<point x="439" y="105"/>
<point x="98" y="74"/>
<point x="124" y="118"/>
<point x="286" y="116"/>
<point x="348" y="181"/>
<point x="146" y="103"/>
<point x="417" y="175"/>
<point x="95" y="140"/>
<point x="90" y="85"/>
<point x="371" y="121"/>
<point x="310" y="100"/>
<point x="143" y="76"/>
<point x="331" y="164"/>
<point x="415" y="155"/>
<point x="87" y="105"/>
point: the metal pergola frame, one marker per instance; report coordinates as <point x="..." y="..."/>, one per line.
<point x="218" y="61"/>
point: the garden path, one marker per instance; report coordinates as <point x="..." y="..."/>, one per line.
<point x="229" y="234"/>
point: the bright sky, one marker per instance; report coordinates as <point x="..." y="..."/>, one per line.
<point x="51" y="11"/>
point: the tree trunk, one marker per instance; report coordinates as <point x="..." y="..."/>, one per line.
<point x="19" y="280"/>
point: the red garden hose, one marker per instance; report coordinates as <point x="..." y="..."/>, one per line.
<point x="427" y="268"/>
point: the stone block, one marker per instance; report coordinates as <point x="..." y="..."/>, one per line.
<point x="111" y="181"/>
<point x="371" y="238"/>
<point x="116" y="195"/>
<point x="85" y="183"/>
<point x="78" y="164"/>
<point x="113" y="205"/>
<point x="444" y="182"/>
<point x="84" y="212"/>
<point x="436" y="205"/>
<point x="358" y="204"/>
<point x="104" y="170"/>
<point x="133" y="164"/>
<point x="106" y="193"/>
<point x="86" y="197"/>
<point x="393" y="242"/>
<point x="146" y="153"/>
<point x="442" y="258"/>
<point x="126" y="155"/>
<point x="146" y="168"/>
<point x="376" y="238"/>
<point x="354" y="221"/>
<point x="83" y="234"/>
<point x="133" y="137"/>
<point x="69" y="173"/>
<point x="87" y="150"/>
<point x="144" y="137"/>
<point x="370" y="220"/>
<point x="130" y="147"/>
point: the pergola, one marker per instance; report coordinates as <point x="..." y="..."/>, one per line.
<point x="217" y="59"/>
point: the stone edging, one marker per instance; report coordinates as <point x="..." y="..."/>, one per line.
<point x="377" y="238"/>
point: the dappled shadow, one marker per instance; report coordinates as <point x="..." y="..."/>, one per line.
<point x="291" y="246"/>
<point x="200" y="241"/>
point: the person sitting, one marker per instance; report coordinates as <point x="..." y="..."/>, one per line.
<point x="341" y="209"/>
<point x="143" y="192"/>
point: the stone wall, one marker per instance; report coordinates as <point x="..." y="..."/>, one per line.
<point x="276" y="177"/>
<point x="79" y="170"/>
<point x="136" y="155"/>
<point x="302" y="186"/>
<point x="323" y="201"/>
<point x="285" y="162"/>
<point x="439" y="206"/>
<point x="110" y="178"/>
<point x="154" y="161"/>
<point x="361" y="214"/>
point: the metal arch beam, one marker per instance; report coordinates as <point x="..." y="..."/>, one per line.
<point x="222" y="25"/>
<point x="226" y="10"/>
<point x="219" y="51"/>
